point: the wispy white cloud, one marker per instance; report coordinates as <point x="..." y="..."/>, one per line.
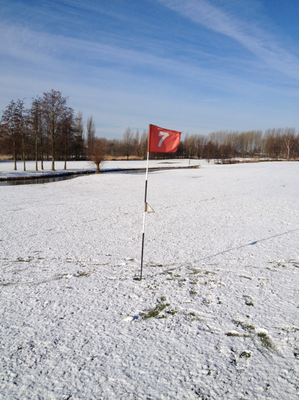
<point x="254" y="38"/>
<point x="168" y="79"/>
<point x="43" y="51"/>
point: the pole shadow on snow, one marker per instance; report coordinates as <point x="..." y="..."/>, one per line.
<point x="247" y="244"/>
<point x="238" y="247"/>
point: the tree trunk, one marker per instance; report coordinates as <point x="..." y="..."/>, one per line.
<point x="65" y="157"/>
<point x="36" y="154"/>
<point x="15" y="155"/>
<point x="23" y="154"/>
<point x="53" y="151"/>
<point x="41" y="153"/>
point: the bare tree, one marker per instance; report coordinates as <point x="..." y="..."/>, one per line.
<point x="200" y="144"/>
<point x="98" y="152"/>
<point x="136" y="144"/>
<point x="289" y="139"/>
<point x="273" y="142"/>
<point x="22" y="122"/>
<point x="11" y="123"/>
<point x="190" y="146"/>
<point x="128" y="142"/>
<point x="79" y="139"/>
<point x="54" y="106"/>
<point x="143" y="144"/>
<point x="37" y="130"/>
<point x="91" y="131"/>
<point x="67" y="130"/>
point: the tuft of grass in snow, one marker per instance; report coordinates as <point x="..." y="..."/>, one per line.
<point x="155" y="265"/>
<point x="265" y="340"/>
<point x="290" y="329"/>
<point x="262" y="336"/>
<point x="22" y="260"/>
<point x="244" y="326"/>
<point x="236" y="334"/>
<point x="80" y="274"/>
<point x="248" y="300"/>
<point x="278" y="264"/>
<point x="296" y="352"/>
<point x="171" y="312"/>
<point x="245" y="354"/>
<point x="155" y="311"/>
<point x="193" y="293"/>
<point x="194" y="271"/>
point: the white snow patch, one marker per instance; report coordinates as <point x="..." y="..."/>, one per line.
<point x="221" y="256"/>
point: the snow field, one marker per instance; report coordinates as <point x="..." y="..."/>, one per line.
<point x="216" y="316"/>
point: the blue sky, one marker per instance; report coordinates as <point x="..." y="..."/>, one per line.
<point x="192" y="65"/>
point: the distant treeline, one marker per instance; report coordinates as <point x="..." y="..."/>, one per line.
<point x="220" y="145"/>
<point x="49" y="130"/>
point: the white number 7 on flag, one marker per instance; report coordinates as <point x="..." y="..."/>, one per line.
<point x="164" y="136"/>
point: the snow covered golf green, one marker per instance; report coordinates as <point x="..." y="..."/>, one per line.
<point x="216" y="317"/>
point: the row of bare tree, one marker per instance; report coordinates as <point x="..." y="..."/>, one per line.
<point x="47" y="130"/>
<point x="220" y="145"/>
<point x="50" y="130"/>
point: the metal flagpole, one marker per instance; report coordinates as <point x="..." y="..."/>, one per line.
<point x="145" y="203"/>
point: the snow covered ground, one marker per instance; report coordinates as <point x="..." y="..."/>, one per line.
<point x="216" y="317"/>
<point x="7" y="167"/>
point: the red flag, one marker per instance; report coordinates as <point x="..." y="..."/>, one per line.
<point x="162" y="140"/>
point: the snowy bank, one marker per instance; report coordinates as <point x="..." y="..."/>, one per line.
<point x="84" y="167"/>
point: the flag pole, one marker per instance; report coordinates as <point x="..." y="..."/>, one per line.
<point x="145" y="202"/>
